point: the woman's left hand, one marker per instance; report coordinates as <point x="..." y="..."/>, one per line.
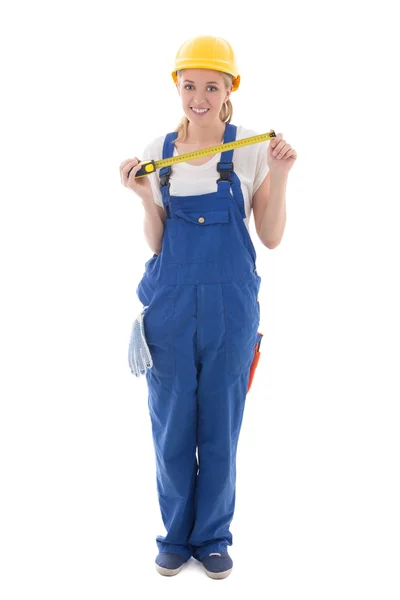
<point x="280" y="155"/>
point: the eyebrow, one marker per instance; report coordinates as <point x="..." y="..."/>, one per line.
<point x="190" y="81"/>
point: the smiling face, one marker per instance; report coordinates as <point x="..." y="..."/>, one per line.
<point x="203" y="93"/>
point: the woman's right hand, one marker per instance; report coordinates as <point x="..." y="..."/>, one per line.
<point x="140" y="186"/>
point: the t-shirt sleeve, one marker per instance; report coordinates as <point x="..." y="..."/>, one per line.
<point x="150" y="153"/>
<point x="262" y="167"/>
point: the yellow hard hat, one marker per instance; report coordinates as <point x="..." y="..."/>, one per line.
<point x="207" y="52"/>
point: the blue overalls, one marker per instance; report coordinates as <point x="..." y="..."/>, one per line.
<point x="201" y="328"/>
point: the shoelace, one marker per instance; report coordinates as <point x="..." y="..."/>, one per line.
<point x="139" y="356"/>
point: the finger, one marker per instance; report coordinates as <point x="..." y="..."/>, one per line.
<point x="284" y="150"/>
<point x="126" y="175"/>
<point x="125" y="166"/>
<point x="125" y="162"/>
<point x="276" y="140"/>
<point x="127" y="170"/>
<point x="279" y="147"/>
<point x="287" y="154"/>
<point x="133" y="170"/>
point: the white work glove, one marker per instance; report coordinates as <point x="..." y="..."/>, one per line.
<point x="139" y="354"/>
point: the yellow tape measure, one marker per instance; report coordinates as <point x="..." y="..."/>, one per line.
<point x="149" y="166"/>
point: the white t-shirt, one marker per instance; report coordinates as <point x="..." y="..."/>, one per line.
<point x="249" y="162"/>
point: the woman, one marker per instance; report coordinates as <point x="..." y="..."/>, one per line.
<point x="201" y="289"/>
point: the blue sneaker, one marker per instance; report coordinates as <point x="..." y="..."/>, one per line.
<point x="218" y="565"/>
<point x="169" y="564"/>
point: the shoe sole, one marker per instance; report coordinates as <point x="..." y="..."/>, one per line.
<point x="168" y="572"/>
<point x="220" y="575"/>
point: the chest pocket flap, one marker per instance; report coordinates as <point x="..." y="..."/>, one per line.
<point x="206" y="217"/>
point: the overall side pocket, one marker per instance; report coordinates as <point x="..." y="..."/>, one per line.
<point x="242" y="316"/>
<point x="158" y="324"/>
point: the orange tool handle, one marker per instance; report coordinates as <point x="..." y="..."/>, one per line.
<point x="256" y="360"/>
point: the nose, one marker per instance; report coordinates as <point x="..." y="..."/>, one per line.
<point x="198" y="98"/>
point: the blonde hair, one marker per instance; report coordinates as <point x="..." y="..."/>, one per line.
<point x="225" y="114"/>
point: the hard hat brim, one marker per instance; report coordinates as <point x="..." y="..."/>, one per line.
<point x="235" y="79"/>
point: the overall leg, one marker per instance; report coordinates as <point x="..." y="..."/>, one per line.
<point x="227" y="328"/>
<point x="170" y="326"/>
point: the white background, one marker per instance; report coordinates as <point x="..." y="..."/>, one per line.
<point x="87" y="85"/>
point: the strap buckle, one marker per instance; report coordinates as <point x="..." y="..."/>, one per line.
<point x="224" y="169"/>
<point x="165" y="174"/>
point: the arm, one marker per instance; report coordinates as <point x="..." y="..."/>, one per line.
<point x="153" y="223"/>
<point x="269" y="206"/>
<point x="154" y="215"/>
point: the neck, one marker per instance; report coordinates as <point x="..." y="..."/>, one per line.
<point x="205" y="135"/>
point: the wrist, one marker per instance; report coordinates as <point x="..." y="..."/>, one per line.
<point x="148" y="203"/>
<point x="279" y="177"/>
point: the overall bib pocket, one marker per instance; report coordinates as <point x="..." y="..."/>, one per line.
<point x="196" y="236"/>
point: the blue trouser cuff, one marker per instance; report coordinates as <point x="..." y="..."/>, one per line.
<point x="182" y="550"/>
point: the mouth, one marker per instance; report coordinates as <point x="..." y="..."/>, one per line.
<point x="199" y="111"/>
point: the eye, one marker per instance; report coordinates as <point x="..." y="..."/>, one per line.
<point x="188" y="85"/>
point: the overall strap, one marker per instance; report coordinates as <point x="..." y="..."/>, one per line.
<point x="165" y="172"/>
<point x="227" y="175"/>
